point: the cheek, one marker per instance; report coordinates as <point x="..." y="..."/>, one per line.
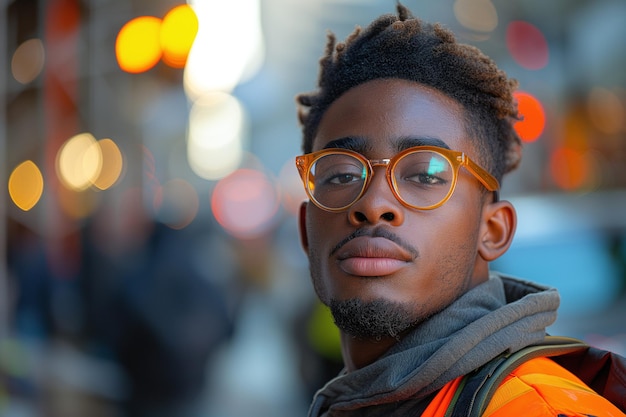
<point x="448" y="240"/>
<point x="444" y="270"/>
<point x="318" y="255"/>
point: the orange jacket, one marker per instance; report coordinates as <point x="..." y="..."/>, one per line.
<point x="537" y="388"/>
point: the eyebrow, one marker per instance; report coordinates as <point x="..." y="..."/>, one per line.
<point x="411" y="141"/>
<point x="361" y="145"/>
<point x="354" y="143"/>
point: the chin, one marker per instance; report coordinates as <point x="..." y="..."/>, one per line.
<point x="367" y="319"/>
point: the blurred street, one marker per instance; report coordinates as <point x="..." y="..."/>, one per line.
<point x="150" y="263"/>
<point x="604" y="329"/>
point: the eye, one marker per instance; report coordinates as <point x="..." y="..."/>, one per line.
<point x="344" y="174"/>
<point x="338" y="170"/>
<point x="425" y="169"/>
<point x="343" y="178"/>
<point x="424" y="178"/>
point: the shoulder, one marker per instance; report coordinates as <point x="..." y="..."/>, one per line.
<point x="541" y="387"/>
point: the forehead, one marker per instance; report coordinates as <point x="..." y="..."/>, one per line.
<point x="386" y="111"/>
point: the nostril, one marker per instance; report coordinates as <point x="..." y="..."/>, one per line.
<point x="388" y="216"/>
<point x="360" y="217"/>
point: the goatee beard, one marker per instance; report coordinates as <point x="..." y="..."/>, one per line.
<point x="373" y="320"/>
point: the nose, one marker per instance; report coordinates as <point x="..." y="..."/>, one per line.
<point x="377" y="204"/>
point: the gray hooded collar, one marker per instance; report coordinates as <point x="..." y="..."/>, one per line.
<point x="499" y="315"/>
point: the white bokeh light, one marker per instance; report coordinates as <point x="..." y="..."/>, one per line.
<point x="215" y="139"/>
<point x="228" y="47"/>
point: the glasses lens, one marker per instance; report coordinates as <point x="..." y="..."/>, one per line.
<point x="423" y="178"/>
<point x="336" y="180"/>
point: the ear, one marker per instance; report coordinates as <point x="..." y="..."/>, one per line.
<point x="499" y="221"/>
<point x="304" y="238"/>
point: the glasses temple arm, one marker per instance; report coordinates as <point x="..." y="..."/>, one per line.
<point x="488" y="180"/>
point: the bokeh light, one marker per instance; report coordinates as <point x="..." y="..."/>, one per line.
<point x="323" y="334"/>
<point x="112" y="164"/>
<point x="527" y="45"/>
<point x="26" y="185"/>
<point x="199" y="158"/>
<point x="292" y="191"/>
<point x="138" y="45"/>
<point x="476" y="15"/>
<point x="569" y="168"/>
<point x="223" y="53"/>
<point x="176" y="204"/>
<point x="245" y="203"/>
<point x="178" y="31"/>
<point x="606" y="111"/>
<point x="215" y="136"/>
<point x="79" y="162"/>
<point x="533" y="115"/>
<point x="28" y="61"/>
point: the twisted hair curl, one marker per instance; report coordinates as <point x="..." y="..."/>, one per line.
<point x="405" y="47"/>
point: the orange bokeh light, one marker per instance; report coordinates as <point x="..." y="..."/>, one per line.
<point x="138" y="46"/>
<point x="26" y="185"/>
<point x="569" y="168"/>
<point x="533" y="117"/>
<point x="178" y="31"/>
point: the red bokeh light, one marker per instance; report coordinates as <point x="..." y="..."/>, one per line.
<point x="245" y="203"/>
<point x="527" y="45"/>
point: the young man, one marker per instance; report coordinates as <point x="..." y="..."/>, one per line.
<point x="406" y="141"/>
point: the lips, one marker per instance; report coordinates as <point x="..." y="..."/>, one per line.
<point x="372" y="257"/>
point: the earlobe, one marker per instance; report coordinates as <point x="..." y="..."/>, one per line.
<point x="498" y="228"/>
<point x="304" y="239"/>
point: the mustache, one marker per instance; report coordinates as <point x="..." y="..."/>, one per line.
<point x="377" y="232"/>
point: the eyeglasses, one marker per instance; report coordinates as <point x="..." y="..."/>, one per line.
<point x="422" y="177"/>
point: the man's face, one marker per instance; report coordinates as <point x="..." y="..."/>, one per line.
<point x="383" y="267"/>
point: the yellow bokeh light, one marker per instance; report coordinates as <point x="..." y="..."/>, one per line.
<point x="138" y="46"/>
<point x="79" y="162"/>
<point x="112" y="164"/>
<point x="178" y="31"/>
<point x="477" y="15"/>
<point x="28" y="61"/>
<point x="26" y="185"/>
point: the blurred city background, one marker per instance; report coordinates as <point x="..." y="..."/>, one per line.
<point x="149" y="257"/>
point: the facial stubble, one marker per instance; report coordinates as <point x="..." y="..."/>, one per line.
<point x="380" y="318"/>
<point x="374" y="319"/>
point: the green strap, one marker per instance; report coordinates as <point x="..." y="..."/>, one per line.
<point x="477" y="388"/>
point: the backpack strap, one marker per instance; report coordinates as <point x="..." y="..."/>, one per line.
<point x="477" y="388"/>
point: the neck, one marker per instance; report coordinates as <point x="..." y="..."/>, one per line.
<point x="358" y="353"/>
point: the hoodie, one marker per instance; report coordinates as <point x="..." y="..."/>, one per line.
<point x="501" y="314"/>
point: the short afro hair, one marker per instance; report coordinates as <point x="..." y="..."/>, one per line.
<point x="408" y="48"/>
